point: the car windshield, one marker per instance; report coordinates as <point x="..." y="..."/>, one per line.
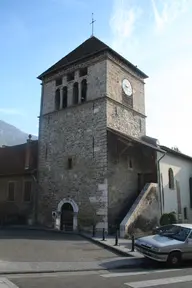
<point x="174" y="232"/>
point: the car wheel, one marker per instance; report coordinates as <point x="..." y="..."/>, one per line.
<point x="174" y="259"/>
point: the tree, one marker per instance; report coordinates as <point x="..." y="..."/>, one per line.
<point x="168" y="218"/>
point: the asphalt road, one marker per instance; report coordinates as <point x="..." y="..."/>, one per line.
<point x="43" y="246"/>
<point x="141" y="278"/>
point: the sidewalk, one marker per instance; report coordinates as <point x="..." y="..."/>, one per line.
<point x="124" y="247"/>
<point x="7" y="268"/>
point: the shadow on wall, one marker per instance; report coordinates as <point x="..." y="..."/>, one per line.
<point x="171" y="201"/>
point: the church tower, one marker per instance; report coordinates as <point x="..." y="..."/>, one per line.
<point x="90" y="99"/>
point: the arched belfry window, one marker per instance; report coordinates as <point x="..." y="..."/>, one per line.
<point x="171" y="179"/>
<point x="75" y="93"/>
<point x="57" y="99"/>
<point x="64" y="104"/>
<point x="83" y="90"/>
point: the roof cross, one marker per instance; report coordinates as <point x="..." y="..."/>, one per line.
<point x="92" y="23"/>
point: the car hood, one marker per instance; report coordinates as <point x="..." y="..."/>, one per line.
<point x="157" y="241"/>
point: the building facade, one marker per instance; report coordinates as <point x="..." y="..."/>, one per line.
<point x="93" y="153"/>
<point x="176" y="184"/>
<point x="18" y="183"/>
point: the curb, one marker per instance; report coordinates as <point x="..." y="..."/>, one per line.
<point x="124" y="266"/>
<point x="107" y="247"/>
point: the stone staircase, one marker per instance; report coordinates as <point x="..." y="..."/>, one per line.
<point x="144" y="214"/>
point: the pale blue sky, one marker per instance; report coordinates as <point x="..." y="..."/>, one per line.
<point x="153" y="34"/>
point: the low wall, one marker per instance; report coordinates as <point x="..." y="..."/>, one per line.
<point x="144" y="214"/>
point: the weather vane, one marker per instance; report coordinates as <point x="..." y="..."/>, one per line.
<point x="92" y="23"/>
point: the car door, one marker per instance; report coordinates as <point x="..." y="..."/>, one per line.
<point x="187" y="249"/>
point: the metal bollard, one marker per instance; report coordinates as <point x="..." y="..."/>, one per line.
<point x="132" y="243"/>
<point x="103" y="234"/>
<point x="116" y="238"/>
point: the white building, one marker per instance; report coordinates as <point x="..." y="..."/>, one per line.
<point x="175" y="184"/>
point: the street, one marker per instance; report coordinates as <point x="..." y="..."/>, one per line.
<point x="141" y="278"/>
<point x="45" y="246"/>
<point x="47" y="259"/>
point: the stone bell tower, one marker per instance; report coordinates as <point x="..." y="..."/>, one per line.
<point x="84" y="95"/>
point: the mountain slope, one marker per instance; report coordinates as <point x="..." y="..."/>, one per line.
<point x="10" y="135"/>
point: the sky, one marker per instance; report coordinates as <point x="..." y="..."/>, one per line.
<point x="155" y="35"/>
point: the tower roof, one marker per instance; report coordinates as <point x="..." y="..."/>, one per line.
<point x="88" y="48"/>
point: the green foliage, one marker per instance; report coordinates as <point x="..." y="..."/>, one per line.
<point x="168" y="218"/>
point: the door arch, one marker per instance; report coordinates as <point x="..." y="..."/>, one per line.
<point x="67" y="204"/>
<point x="66" y="222"/>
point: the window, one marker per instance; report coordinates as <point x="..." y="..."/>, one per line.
<point x="83" y="90"/>
<point x="185" y="213"/>
<point x="75" y="93"/>
<point x="130" y="164"/>
<point x="64" y="97"/>
<point x="27" y="191"/>
<point x="71" y="76"/>
<point x="57" y="99"/>
<point x="70" y="163"/>
<point x="58" y="81"/>
<point x="140" y="125"/>
<point x="171" y="179"/>
<point x="11" y="191"/>
<point x="83" y="72"/>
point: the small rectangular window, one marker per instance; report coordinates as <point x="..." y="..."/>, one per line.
<point x="140" y="125"/>
<point x="70" y="163"/>
<point x="58" y="81"/>
<point x="83" y="72"/>
<point x="27" y="191"/>
<point x="71" y="76"/>
<point x="130" y="163"/>
<point x="11" y="191"/>
<point x="185" y="213"/>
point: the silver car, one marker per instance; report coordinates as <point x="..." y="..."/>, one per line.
<point x="171" y="244"/>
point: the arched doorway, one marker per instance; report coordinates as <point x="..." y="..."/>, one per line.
<point x="67" y="217"/>
<point x="67" y="211"/>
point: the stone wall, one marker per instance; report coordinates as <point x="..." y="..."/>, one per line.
<point x="96" y="82"/>
<point x="18" y="206"/>
<point x="116" y="72"/>
<point x="144" y="215"/>
<point x="124" y="119"/>
<point x="123" y="186"/>
<point x="78" y="132"/>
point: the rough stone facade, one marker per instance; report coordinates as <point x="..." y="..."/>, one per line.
<point x="79" y="132"/>
<point x="116" y="72"/>
<point x="144" y="215"/>
<point x="126" y="162"/>
<point x="96" y="82"/>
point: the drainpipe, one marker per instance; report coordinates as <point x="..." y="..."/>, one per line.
<point x="159" y="180"/>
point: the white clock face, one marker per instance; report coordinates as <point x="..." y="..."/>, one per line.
<point x="126" y="85"/>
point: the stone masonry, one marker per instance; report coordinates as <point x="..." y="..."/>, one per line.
<point x="79" y="132"/>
